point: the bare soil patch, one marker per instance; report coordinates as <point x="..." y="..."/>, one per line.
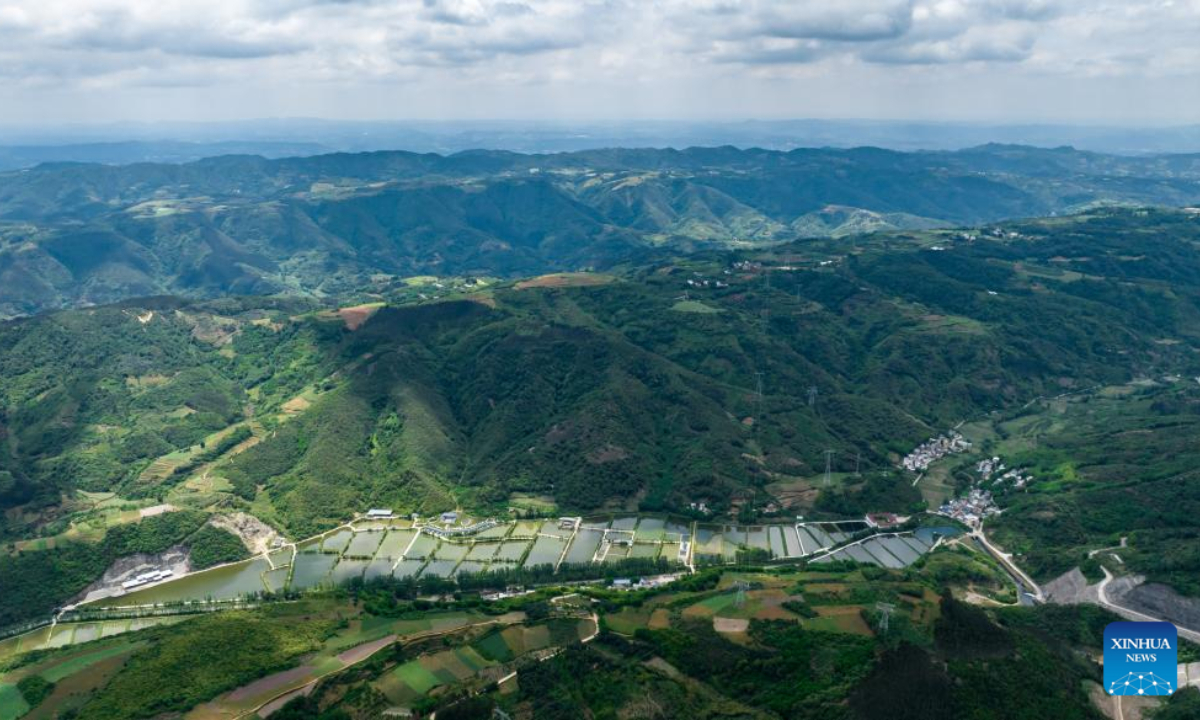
<point x="660" y="619"/>
<point x="255" y="534"/>
<point x="361" y="652"/>
<point x="730" y="625"/>
<point x="277" y="703"/>
<point x="278" y="681"/>
<point x="296" y="405"/>
<point x="562" y="280"/>
<point x="354" y="317"/>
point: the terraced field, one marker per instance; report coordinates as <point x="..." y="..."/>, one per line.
<point x="829" y="601"/>
<point x="75" y="673"/>
<point x="485" y="658"/>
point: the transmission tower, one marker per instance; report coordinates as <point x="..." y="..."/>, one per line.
<point x="812" y="395"/>
<point x="740" y="599"/>
<point x="857" y="464"/>
<point x="828" y="467"/>
<point x="885" y="615"/>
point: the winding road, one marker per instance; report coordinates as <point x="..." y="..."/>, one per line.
<point x="1102" y="591"/>
<point x="1025" y="583"/>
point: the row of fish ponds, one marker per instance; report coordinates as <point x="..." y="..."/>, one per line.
<point x="374" y="549"/>
<point x="893" y="550"/>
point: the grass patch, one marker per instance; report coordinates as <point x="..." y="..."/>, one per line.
<point x="70" y="666"/>
<point x="200" y="659"/>
<point x="695" y="306"/>
<point x="12" y="703"/>
<point x="417" y="676"/>
<point x="628" y="620"/>
<point x="494" y="647"/>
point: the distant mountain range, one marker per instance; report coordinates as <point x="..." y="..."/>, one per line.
<point x="174" y="141"/>
<point x="77" y="234"/>
<point x="18" y="157"/>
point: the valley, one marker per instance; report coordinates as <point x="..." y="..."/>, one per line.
<point x="605" y="360"/>
<point x="816" y="427"/>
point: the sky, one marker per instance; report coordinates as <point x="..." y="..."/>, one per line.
<point x="1072" y="61"/>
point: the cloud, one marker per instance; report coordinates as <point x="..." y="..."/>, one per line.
<point x="772" y="51"/>
<point x="633" y="54"/>
<point x="469" y="32"/>
<point x="955" y="51"/>
<point x="847" y="20"/>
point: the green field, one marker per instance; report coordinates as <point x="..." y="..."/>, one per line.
<point x="416" y="677"/>
<point x="12" y="705"/>
<point x="58" y="671"/>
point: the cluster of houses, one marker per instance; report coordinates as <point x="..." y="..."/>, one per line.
<point x="645" y="583"/>
<point x="993" y="467"/>
<point x="884" y="521"/>
<point x="972" y="509"/>
<point x="146" y="578"/>
<point x="703" y="282"/>
<point x="450" y="527"/>
<point x="988" y="467"/>
<point x="449" y="523"/>
<point x="933" y="450"/>
<point x="510" y="591"/>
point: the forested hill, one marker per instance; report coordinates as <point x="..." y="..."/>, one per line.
<point x="80" y="234"/>
<point x="675" y="382"/>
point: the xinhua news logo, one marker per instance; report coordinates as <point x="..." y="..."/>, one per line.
<point x="1140" y="658"/>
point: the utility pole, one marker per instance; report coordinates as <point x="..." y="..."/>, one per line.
<point x="767" y="297"/>
<point x="812" y="395"/>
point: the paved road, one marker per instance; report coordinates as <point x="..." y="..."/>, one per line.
<point x="1025" y="584"/>
<point x="1186" y="633"/>
<point x="1097" y="551"/>
<point x="1187" y="674"/>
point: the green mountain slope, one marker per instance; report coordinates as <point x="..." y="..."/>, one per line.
<point x="679" y="382"/>
<point x="719" y="378"/>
